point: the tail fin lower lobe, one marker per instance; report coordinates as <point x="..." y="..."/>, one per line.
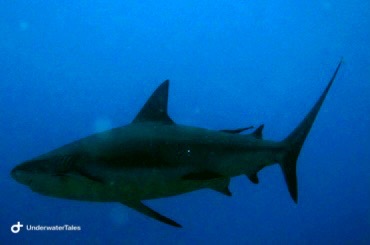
<point x="295" y="140"/>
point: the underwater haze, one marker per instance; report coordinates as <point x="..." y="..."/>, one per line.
<point x="69" y="69"/>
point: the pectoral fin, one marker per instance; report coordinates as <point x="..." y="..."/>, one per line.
<point x="140" y="207"/>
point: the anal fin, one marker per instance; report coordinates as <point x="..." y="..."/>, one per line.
<point x="253" y="178"/>
<point x="140" y="207"/>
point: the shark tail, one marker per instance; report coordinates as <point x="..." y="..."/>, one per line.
<point x="295" y="140"/>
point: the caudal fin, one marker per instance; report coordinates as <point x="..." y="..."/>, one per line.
<point x="295" y="140"/>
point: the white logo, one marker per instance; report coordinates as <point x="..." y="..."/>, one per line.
<point x="16" y="228"/>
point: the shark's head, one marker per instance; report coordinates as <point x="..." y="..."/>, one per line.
<point x="37" y="169"/>
<point x="45" y="175"/>
<point x="59" y="177"/>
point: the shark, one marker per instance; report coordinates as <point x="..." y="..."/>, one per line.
<point x="155" y="157"/>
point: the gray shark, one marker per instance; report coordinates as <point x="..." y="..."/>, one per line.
<point x="154" y="157"/>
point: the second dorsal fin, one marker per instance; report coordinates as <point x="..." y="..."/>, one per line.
<point x="155" y="108"/>
<point x="258" y="132"/>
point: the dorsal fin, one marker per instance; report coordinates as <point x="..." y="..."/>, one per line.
<point x="258" y="132"/>
<point x="155" y="108"/>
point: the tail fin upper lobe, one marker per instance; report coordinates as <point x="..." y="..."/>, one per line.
<point x="295" y="140"/>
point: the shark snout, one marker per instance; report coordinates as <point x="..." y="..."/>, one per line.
<point x="14" y="173"/>
<point x="21" y="175"/>
<point x="24" y="172"/>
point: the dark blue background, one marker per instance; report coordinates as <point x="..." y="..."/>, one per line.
<point x="69" y="68"/>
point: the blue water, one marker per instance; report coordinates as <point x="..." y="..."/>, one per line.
<point x="72" y="68"/>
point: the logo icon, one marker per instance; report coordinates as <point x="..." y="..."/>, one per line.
<point x="16" y="228"/>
